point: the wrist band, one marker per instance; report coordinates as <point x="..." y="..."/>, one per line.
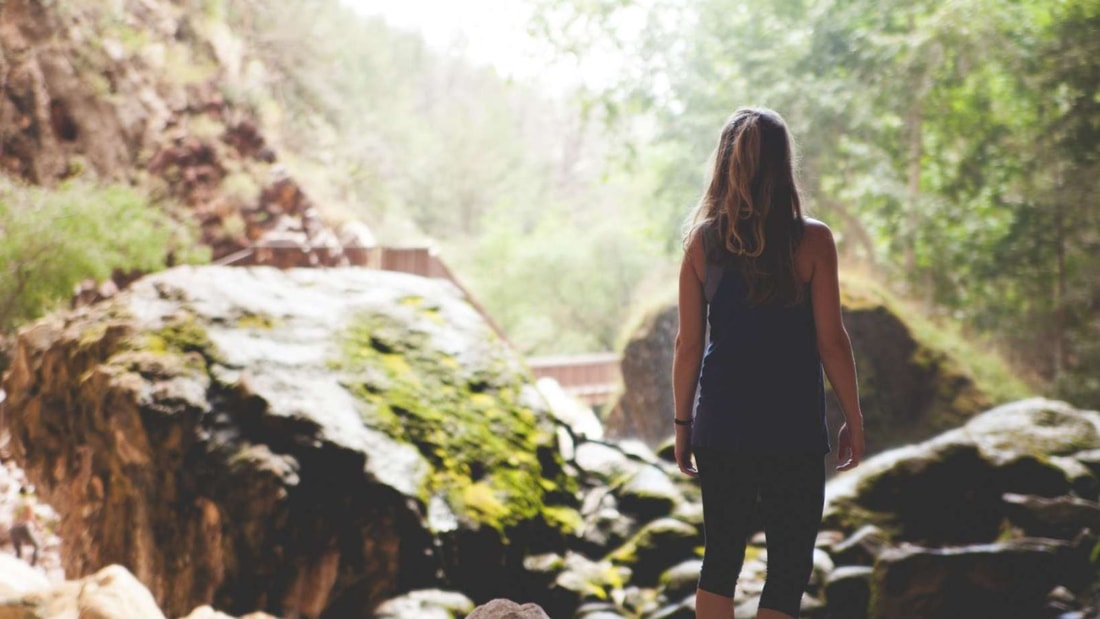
<point x="682" y="422"/>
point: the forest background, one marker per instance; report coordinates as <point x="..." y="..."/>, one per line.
<point x="952" y="145"/>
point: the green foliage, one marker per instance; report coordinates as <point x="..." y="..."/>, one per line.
<point x="486" y="447"/>
<point x="943" y="342"/>
<point x="55" y="238"/>
<point x="953" y="146"/>
<point x="558" y="288"/>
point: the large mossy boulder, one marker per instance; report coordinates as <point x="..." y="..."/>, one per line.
<point x="645" y="406"/>
<point x="950" y="489"/>
<point x="304" y="442"/>
<point x="915" y="379"/>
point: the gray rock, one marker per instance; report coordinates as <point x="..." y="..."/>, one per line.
<point x="680" y="580"/>
<point x="335" y="433"/>
<point x="666" y="450"/>
<point x="639" y="450"/>
<point x="848" y="591"/>
<point x="690" y="511"/>
<point x="947" y="490"/>
<point x="507" y="609"/>
<point x="426" y="604"/>
<point x="585" y="579"/>
<point x="656" y="547"/>
<point x="607" y="463"/>
<point x="823" y="566"/>
<point x="640" y="601"/>
<point x="544" y="564"/>
<point x="1036" y="425"/>
<point x="1090" y="459"/>
<point x="861" y="547"/>
<point x="1061" y="600"/>
<point x="1061" y="517"/>
<point x="1082" y="481"/>
<point x="1009" y="579"/>
<point x="643" y="410"/>
<point x="604" y="525"/>
<point x="810" y="606"/>
<point x="573" y="414"/>
<point x="648" y="494"/>
<point x="827" y="539"/>
<point x="684" y="609"/>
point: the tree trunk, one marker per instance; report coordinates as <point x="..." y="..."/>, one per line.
<point x="1060" y="283"/>
<point x="913" y="123"/>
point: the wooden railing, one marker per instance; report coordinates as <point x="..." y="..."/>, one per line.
<point x="591" y="378"/>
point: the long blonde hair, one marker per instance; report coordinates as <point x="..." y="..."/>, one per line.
<point x="751" y="212"/>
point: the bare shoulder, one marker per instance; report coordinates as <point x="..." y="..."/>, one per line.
<point x="695" y="253"/>
<point x="817" y="236"/>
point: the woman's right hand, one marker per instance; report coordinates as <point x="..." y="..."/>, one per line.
<point x="849" y="450"/>
<point x="683" y="451"/>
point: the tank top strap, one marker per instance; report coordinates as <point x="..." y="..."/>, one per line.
<point x="713" y="275"/>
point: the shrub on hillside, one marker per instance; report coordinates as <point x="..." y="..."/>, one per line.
<point x="53" y="238"/>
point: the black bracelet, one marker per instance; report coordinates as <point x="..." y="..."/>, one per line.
<point x="682" y="422"/>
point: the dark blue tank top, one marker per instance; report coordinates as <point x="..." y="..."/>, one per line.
<point x="760" y="387"/>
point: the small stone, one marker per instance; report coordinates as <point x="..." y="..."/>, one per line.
<point x="506" y="609"/>
<point x="681" y="579"/>
<point x="861" y="548"/>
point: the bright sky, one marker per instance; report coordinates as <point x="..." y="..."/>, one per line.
<point x="489" y="32"/>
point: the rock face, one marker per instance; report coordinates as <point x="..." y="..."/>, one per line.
<point x="950" y="489"/>
<point x="910" y="388"/>
<point x="132" y="91"/>
<point x="308" y="441"/>
<point x="1009" y="579"/>
<point x="110" y="593"/>
<point x="964" y="521"/>
<point x="644" y="410"/>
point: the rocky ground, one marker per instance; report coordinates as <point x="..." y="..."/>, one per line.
<point x="12" y="478"/>
<point x="344" y="443"/>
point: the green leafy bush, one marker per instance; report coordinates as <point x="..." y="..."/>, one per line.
<point x="52" y="239"/>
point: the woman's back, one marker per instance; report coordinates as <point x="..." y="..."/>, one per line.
<point x="764" y="279"/>
<point x="761" y="386"/>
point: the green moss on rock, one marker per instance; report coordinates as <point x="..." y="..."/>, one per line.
<point x="916" y="378"/>
<point x="656" y="547"/>
<point x="253" y="320"/>
<point x="470" y="425"/>
<point x="182" y="334"/>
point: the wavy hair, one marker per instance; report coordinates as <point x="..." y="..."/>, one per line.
<point x="751" y="213"/>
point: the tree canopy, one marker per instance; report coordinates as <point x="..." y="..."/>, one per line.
<point x="952" y="144"/>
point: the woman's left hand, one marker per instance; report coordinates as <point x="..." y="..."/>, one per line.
<point x="683" y="451"/>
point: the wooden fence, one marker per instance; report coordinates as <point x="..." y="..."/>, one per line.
<point x="592" y="378"/>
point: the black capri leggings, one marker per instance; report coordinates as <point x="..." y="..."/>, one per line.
<point x="790" y="492"/>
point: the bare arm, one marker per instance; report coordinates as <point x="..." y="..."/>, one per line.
<point x="833" y="343"/>
<point x="688" y="356"/>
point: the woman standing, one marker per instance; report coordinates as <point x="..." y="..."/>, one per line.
<point x="764" y="278"/>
